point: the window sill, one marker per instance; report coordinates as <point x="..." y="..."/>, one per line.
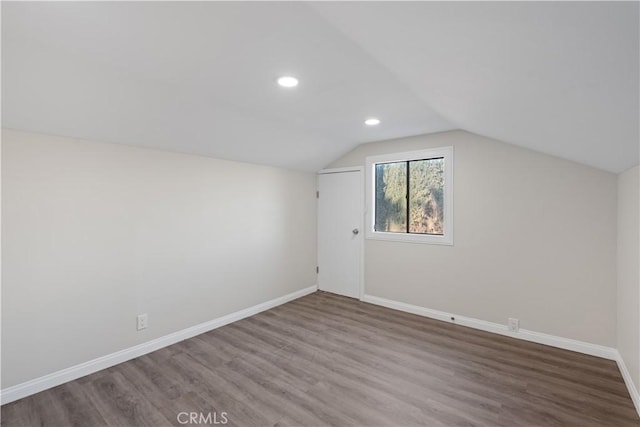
<point x="425" y="239"/>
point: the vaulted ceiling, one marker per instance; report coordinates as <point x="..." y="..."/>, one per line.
<point x="199" y="77"/>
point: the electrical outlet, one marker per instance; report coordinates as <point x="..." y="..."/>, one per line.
<point x="514" y="325"/>
<point x="143" y="321"/>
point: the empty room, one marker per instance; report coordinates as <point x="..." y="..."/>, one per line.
<point x="320" y="213"/>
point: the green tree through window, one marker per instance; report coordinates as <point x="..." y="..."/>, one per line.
<point x="414" y="205"/>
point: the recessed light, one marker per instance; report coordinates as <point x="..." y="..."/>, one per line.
<point x="288" y="81"/>
<point x="372" y="122"/>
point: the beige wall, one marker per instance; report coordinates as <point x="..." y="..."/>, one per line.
<point x="628" y="272"/>
<point x="94" y="234"/>
<point x="535" y="238"/>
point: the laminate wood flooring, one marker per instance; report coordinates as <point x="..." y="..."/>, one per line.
<point x="329" y="360"/>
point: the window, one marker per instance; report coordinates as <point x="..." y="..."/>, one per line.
<point x="409" y="196"/>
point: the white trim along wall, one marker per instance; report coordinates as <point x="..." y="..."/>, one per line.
<point x="45" y="382"/>
<point x="36" y="385"/>
<point x="523" y="334"/>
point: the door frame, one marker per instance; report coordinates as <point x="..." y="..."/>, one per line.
<point x="360" y="170"/>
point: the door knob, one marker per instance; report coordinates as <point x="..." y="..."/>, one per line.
<point x="355" y="231"/>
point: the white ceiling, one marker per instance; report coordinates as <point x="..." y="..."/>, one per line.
<point x="195" y="77"/>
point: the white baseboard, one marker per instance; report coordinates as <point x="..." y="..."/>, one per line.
<point x="537" y="337"/>
<point x="523" y="334"/>
<point x="633" y="391"/>
<point x="69" y="374"/>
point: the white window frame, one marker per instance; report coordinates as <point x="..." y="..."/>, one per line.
<point x="371" y="161"/>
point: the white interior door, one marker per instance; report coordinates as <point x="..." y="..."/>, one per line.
<point x="340" y="234"/>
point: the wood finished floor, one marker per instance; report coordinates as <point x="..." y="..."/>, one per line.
<point x="329" y="360"/>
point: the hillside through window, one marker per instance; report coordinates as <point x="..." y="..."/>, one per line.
<point x="411" y="195"/>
